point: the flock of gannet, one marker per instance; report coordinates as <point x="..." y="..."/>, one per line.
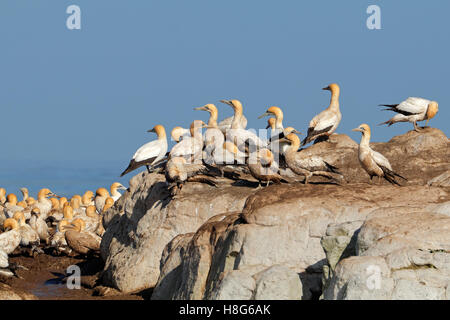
<point x="44" y="223"/>
<point x="225" y="149"/>
<point x="228" y="148"/>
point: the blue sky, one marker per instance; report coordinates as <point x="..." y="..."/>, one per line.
<point x="88" y="96"/>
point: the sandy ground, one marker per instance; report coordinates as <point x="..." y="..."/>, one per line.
<point x="46" y="277"/>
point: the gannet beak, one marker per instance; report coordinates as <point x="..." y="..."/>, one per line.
<point x="297" y="132"/>
<point x="201" y="108"/>
<point x="226" y="102"/>
<point x="326" y="88"/>
<point x="357" y="129"/>
<point x="264" y="115"/>
<point x="151" y="130"/>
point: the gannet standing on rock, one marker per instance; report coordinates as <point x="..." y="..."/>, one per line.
<point x="213" y="136"/>
<point x="150" y="153"/>
<point x="308" y="166"/>
<point x="190" y="147"/>
<point x="374" y="162"/>
<point x="237" y="133"/>
<point x="9" y="241"/>
<point x="412" y="110"/>
<point x="326" y="122"/>
<point x="44" y="204"/>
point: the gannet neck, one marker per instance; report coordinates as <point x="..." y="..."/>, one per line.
<point x="160" y="132"/>
<point x="295" y="142"/>
<point x="12" y="199"/>
<point x="10" y="223"/>
<point x="196" y="129"/>
<point x="213" y="114"/>
<point x="335" y="93"/>
<point x="25" y="193"/>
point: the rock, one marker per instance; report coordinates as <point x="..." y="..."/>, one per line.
<point x="134" y="241"/>
<point x="8" y="293"/>
<point x="442" y="180"/>
<point x="278" y="283"/>
<point x="203" y="242"/>
<point x="407" y="252"/>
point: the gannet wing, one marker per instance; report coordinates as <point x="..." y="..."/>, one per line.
<point x="147" y="151"/>
<point x="410" y="106"/>
<point x="380" y="160"/>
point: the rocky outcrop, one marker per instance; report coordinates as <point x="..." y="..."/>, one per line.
<point x="9" y="293"/>
<point x="399" y="254"/>
<point x="285" y="241"/>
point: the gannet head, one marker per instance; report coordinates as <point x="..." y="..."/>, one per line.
<point x="109" y="202"/>
<point x="88" y="196"/>
<point x="2" y="192"/>
<point x="36" y="212"/>
<point x="45" y="193"/>
<point x="24" y="191"/>
<point x="208" y="107"/>
<point x="159" y="130"/>
<point x="363" y="128"/>
<point x="20" y="217"/>
<point x="30" y="201"/>
<point x="272" y="111"/>
<point x="196" y="127"/>
<point x="75" y="202"/>
<point x="102" y="192"/>
<point x="235" y="104"/>
<point x="68" y="212"/>
<point x="271" y="123"/>
<point x="55" y="203"/>
<point x="334" y="88"/>
<point x="91" y="212"/>
<point x="293" y="139"/>
<point x="63" y="225"/>
<point x="117" y="186"/>
<point x="289" y="130"/>
<point x="22" y="204"/>
<point x="433" y="108"/>
<point x="177" y="133"/>
<point x="12" y="199"/>
<point x="10" y="224"/>
<point x="62" y="201"/>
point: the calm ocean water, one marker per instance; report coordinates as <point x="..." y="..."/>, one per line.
<point x="65" y="179"/>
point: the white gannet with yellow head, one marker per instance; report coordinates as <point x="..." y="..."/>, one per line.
<point x="11" y="205"/>
<point x="374" y="163"/>
<point x="326" y="122"/>
<point x="100" y="197"/>
<point x="150" y="153"/>
<point x="81" y="240"/>
<point x="115" y="194"/>
<point x="307" y="166"/>
<point x="191" y="147"/>
<point x="412" y="110"/>
<point x="237" y="134"/>
<point x="43" y="203"/>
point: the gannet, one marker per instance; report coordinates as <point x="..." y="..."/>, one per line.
<point x="9" y="241"/>
<point x="226" y="123"/>
<point x="28" y="236"/>
<point x="58" y="240"/>
<point x="87" y="199"/>
<point x="307" y="166"/>
<point x="81" y="240"/>
<point x="11" y="205"/>
<point x="44" y="204"/>
<point x="150" y="153"/>
<point x="91" y="218"/>
<point x="75" y="203"/>
<point x="39" y="225"/>
<point x="374" y="162"/>
<point x="109" y="202"/>
<point x="179" y="133"/>
<point x="62" y="201"/>
<point x="114" y="193"/>
<point x="262" y="165"/>
<point x="412" y="110"/>
<point x="100" y="197"/>
<point x="274" y="111"/>
<point x="326" y="122"/>
<point x="178" y="171"/>
<point x="2" y="195"/>
<point x="237" y="133"/>
<point x="190" y="147"/>
<point x="213" y="137"/>
<point x="25" y="194"/>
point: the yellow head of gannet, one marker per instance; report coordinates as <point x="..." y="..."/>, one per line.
<point x="116" y="186"/>
<point x="12" y="199"/>
<point x="30" y="201"/>
<point x="196" y="127"/>
<point x="433" y="108"/>
<point x="335" y="90"/>
<point x="289" y="130"/>
<point x="55" y="203"/>
<point x="62" y="225"/>
<point x="364" y="129"/>
<point x="22" y="204"/>
<point x="79" y="224"/>
<point x="45" y="193"/>
<point x="109" y="202"/>
<point x="62" y="202"/>
<point x="177" y="133"/>
<point x="273" y="111"/>
<point x="2" y="195"/>
<point x="159" y="130"/>
<point x="102" y="192"/>
<point x="213" y="114"/>
<point x="271" y="123"/>
<point x="36" y="211"/>
<point x="10" y="224"/>
<point x="68" y="212"/>
<point x="75" y="202"/>
<point x="238" y="111"/>
<point x="91" y="211"/>
<point x="87" y="197"/>
<point x="19" y="217"/>
<point x="294" y="141"/>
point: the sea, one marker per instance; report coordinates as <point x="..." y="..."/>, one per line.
<point x="63" y="178"/>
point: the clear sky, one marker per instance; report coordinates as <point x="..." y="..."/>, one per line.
<point x="87" y="97"/>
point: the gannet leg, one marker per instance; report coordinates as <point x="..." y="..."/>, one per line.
<point x="148" y="169"/>
<point x="267" y="184"/>
<point x="415" y="127"/>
